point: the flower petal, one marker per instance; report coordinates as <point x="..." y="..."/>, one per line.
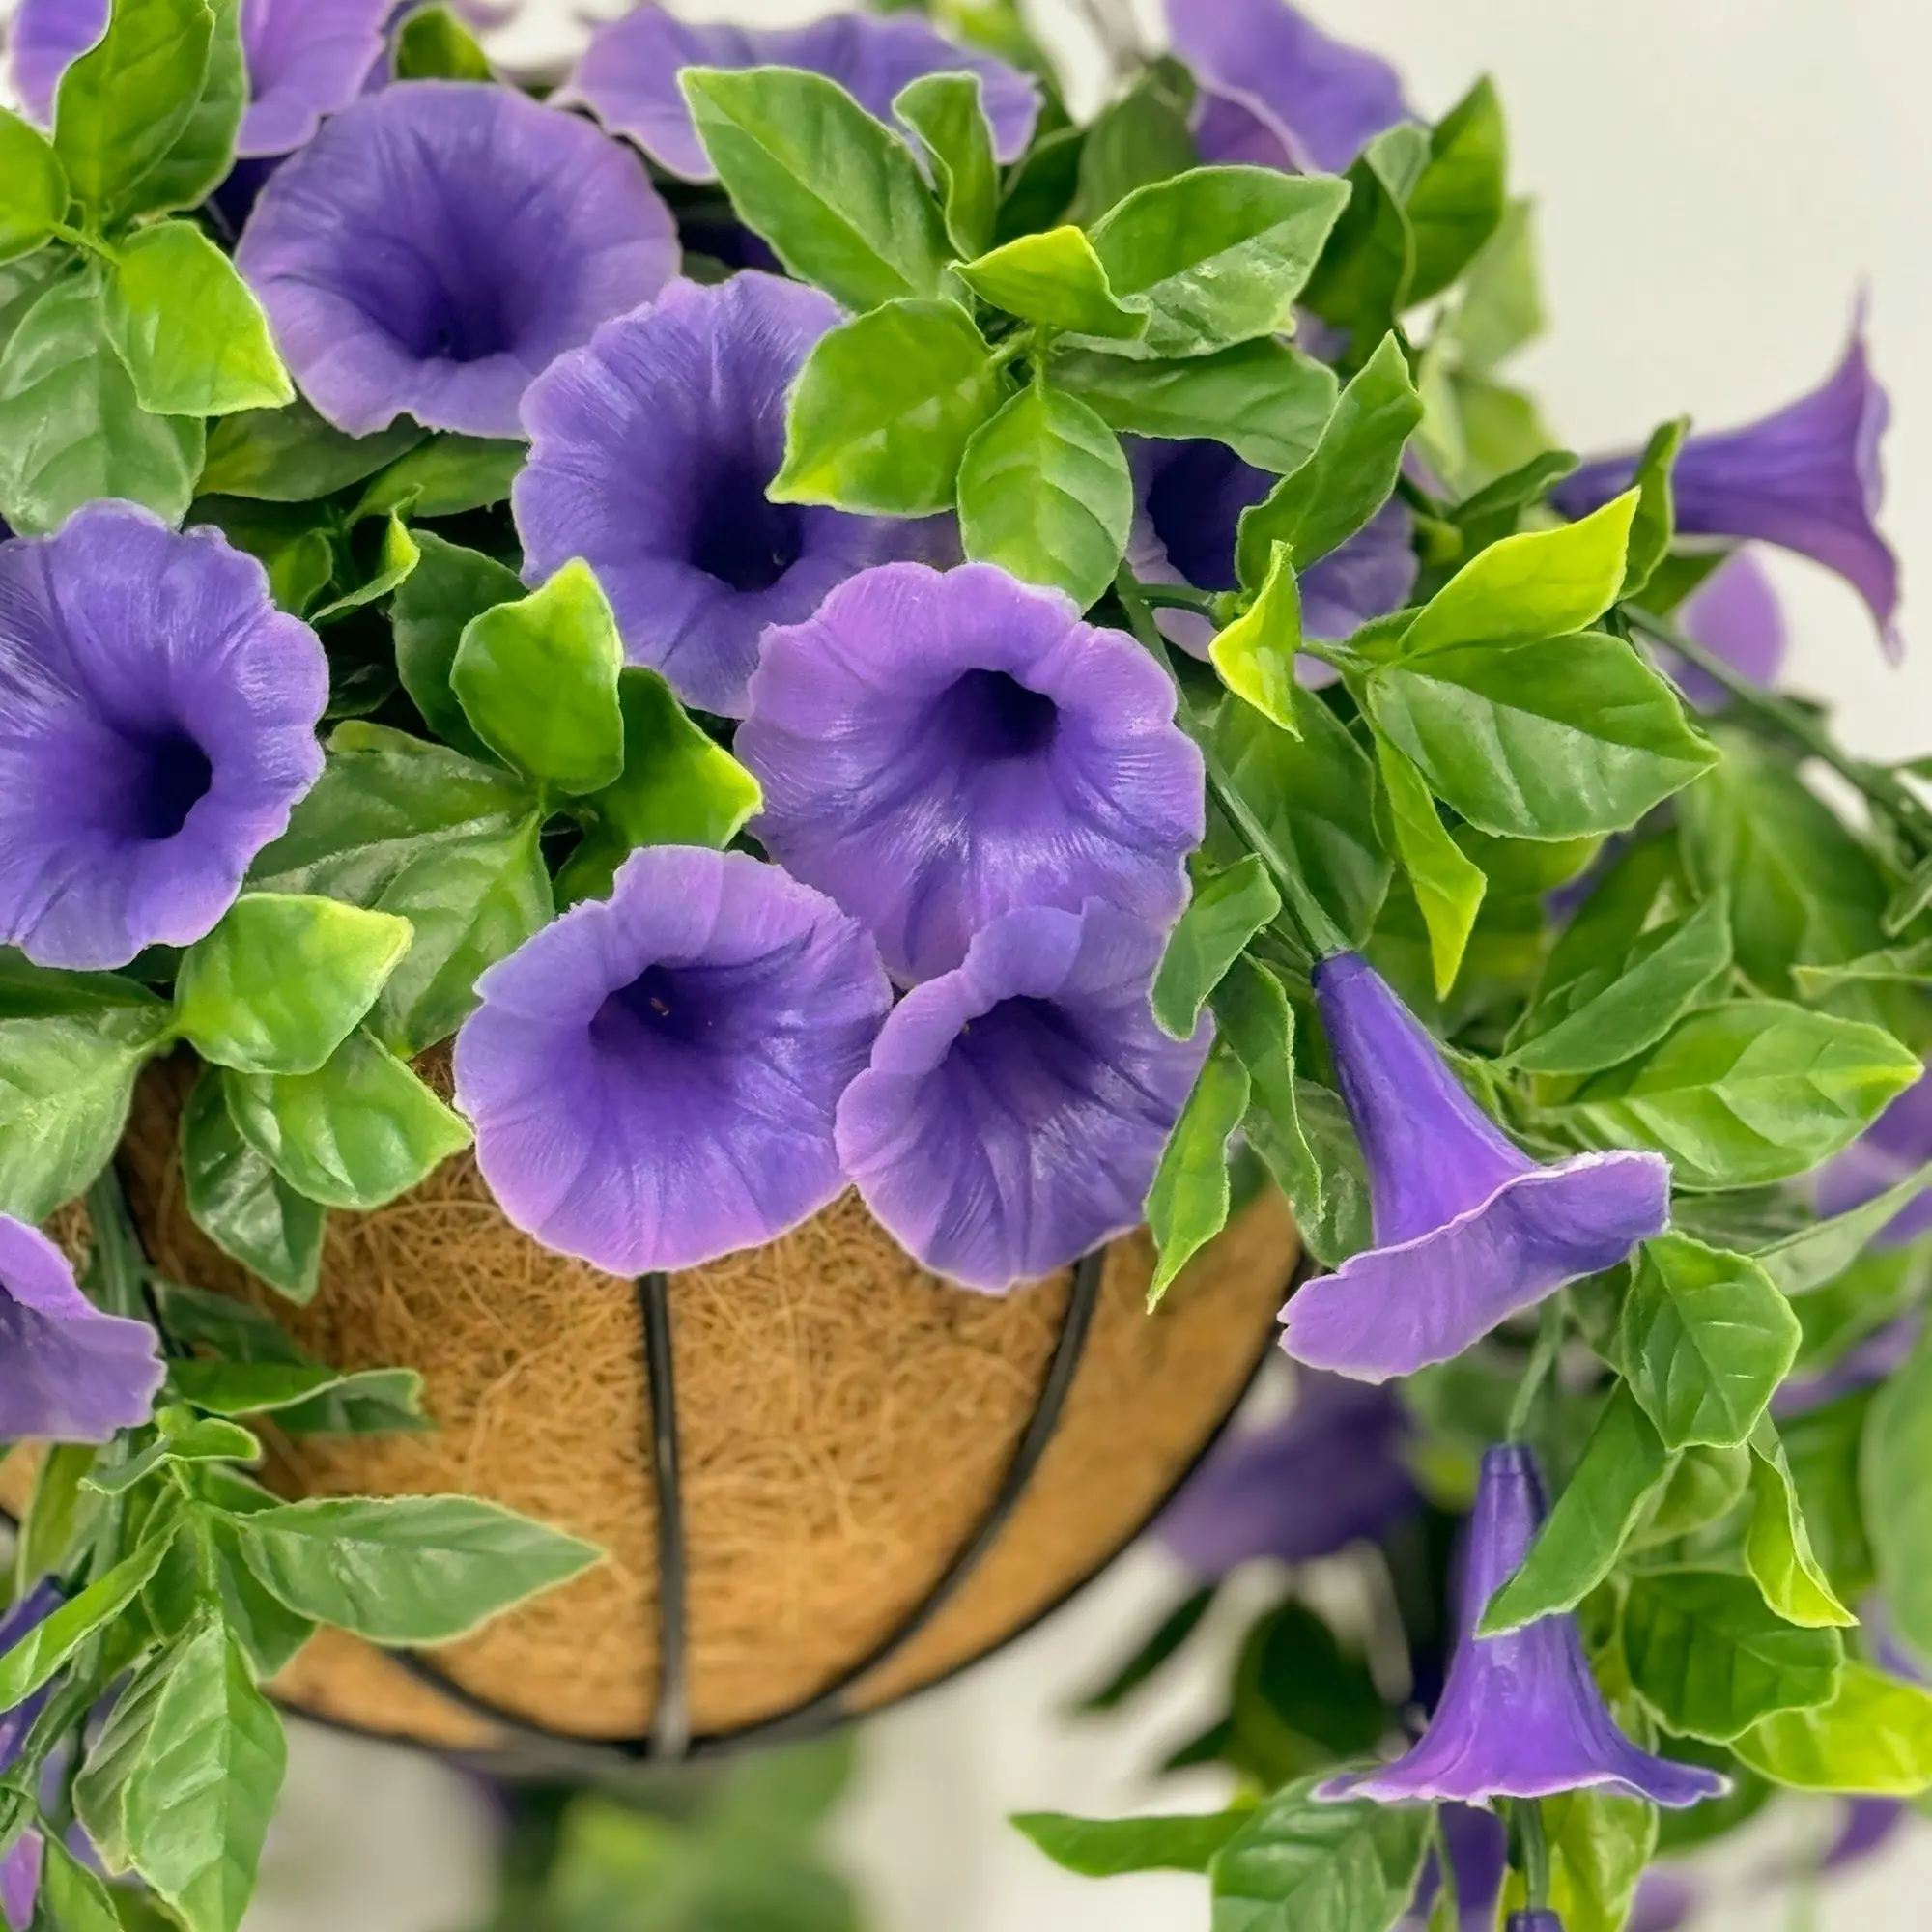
<point x="306" y="59"/>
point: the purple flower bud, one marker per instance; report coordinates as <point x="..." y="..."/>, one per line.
<point x="628" y="75"/>
<point x="439" y="243"/>
<point x="157" y="722"/>
<point x="1521" y="1714"/>
<point x="696" y="560"/>
<point x="1015" y="1109"/>
<point x="653" y="1077"/>
<point x="939" y="749"/>
<point x="1275" y="91"/>
<point x="1469" y="1230"/>
<point x="1807" y="479"/>
<point x="68" y="1373"/>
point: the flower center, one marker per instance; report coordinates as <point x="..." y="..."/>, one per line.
<point x="1027" y="1055"/>
<point x="994" y="717"/>
<point x="660" y="1008"/>
<point x="1195" y="506"/>
<point x="740" y="537"/>
<point x="173" y="776"/>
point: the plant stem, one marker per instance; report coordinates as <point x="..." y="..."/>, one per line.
<point x="1542" y="1359"/>
<point x="88" y="244"/>
<point x="1532" y="1850"/>
<point x="1445" y="1865"/>
<point x="1177" y="597"/>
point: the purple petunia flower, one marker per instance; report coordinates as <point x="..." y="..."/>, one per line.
<point x="157" y="722"/>
<point x="1468" y="1229"/>
<point x="68" y="1373"/>
<point x="628" y="75"/>
<point x="652" y="1078"/>
<point x="696" y="560"/>
<point x="937" y="750"/>
<point x="305" y="59"/>
<point x="1521" y="1714"/>
<point x="1807" y="479"/>
<point x="1736" y="613"/>
<point x="1326" y="1474"/>
<point x="439" y="243"/>
<point x="1896" y="1144"/>
<point x="1276" y="91"/>
<point x="1015" y="1109"/>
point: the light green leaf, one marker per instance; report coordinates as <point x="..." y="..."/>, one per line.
<point x="1598" y="1847"/>
<point x="1224" y="913"/>
<point x="100" y="1791"/>
<point x="444" y="476"/>
<point x="1704" y="1339"/>
<point x="1778" y="1546"/>
<point x="883" y="410"/>
<point x="194" y="338"/>
<point x="241" y="1203"/>
<point x="1108" y="1847"/>
<point x="406" y="1568"/>
<point x="1256" y="653"/>
<point x="836" y="193"/>
<point x="293" y="456"/>
<point x="34" y="190"/>
<point x="1055" y="278"/>
<point x="1363" y="281"/>
<point x="395" y="566"/>
<point x="1336" y="1223"/>
<point x="1217" y="255"/>
<point x="39" y="1655"/>
<point x="448" y="586"/>
<point x="77" y="1900"/>
<point x="1458" y="197"/>
<point x="198" y="160"/>
<point x="1187" y="1204"/>
<point x="1893" y="1469"/>
<point x="1448" y="884"/>
<point x="433" y="44"/>
<point x="945" y="112"/>
<point x="1143" y="136"/>
<point x="1500" y="308"/>
<point x="1044" y="493"/>
<point x="60" y="1510"/>
<point x="185" y="1439"/>
<point x="1874" y="1738"/>
<point x="1890" y="965"/>
<point x="1703" y="1486"/>
<point x="356" y="1134"/>
<point x="1655" y="519"/>
<point x="1253" y="1017"/>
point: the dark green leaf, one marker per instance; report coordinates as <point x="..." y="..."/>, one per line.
<point x="100" y="1791"/>
<point x="1142" y="137"/>
<point x="396" y="563"/>
<point x="443" y="477"/>
<point x="1172" y="1632"/>
<point x="291" y="456"/>
<point x="1680" y="1832"/>
<point x="1892" y="965"/>
<point x="1301" y="1698"/>
<point x="371" y="1402"/>
<point x="198" y="158"/>
<point x="1187" y="1204"/>
<point x="1335" y="1223"/>
<point x="433" y="44"/>
<point x="1822" y="1453"/>
<point x="945" y="112"/>
<point x="33" y="191"/>
<point x="30" y="992"/>
<point x="1253" y="1016"/>
<point x="1493" y="512"/>
<point x="1777" y="1544"/>
<point x="1896" y="1479"/>
<point x="1224" y="913"/>
<point x="448" y="586"/>
<point x="1108" y="1847"/>
<point x="1873" y="1739"/>
<point x="1363" y="281"/>
<point x="193" y="1439"/>
<point x="1703" y="1486"/>
<point x="1655" y="522"/>
<point x="1054" y="278"/>
<point x="1448" y="884"/>
<point x="1457" y="199"/>
<point x="1039" y="187"/>
<point x="241" y="1203"/>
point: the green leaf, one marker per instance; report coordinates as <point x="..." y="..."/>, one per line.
<point x="395" y="564"/>
<point x="1890" y="965"/>
<point x="448" y="586"/>
<point x="1143" y="136"/>
<point x="293" y="456"/>
<point x="124" y="104"/>
<point x="40" y="1651"/>
<point x="945" y="111"/>
<point x="1459" y="198"/>
<point x="1187" y="1204"/>
<point x="1541" y="583"/>
<point x="1892" y="1470"/>
<point x="1624" y="1464"/>
<point x="1778" y="1546"/>
<point x="1169" y="1636"/>
<point x="198" y="160"/>
<point x="64" y="1088"/>
<point x="1044" y="493"/>
<point x="1217" y="255"/>
<point x="1224" y="913"/>
<point x="1596" y="1008"/>
<point x="100" y="1791"/>
<point x="1501" y="306"/>
<point x="281" y="982"/>
<point x="433" y="44"/>
<point x="197" y="1439"/>
<point x="1741" y="1094"/>
<point x="1599" y="1846"/>
<point x="1253" y="1016"/>
<point x="538" y="681"/>
<point x="1448" y="884"/>
<point x="1822" y="1450"/>
<point x="356" y="1134"/>
<point x="406" y="1568"/>
<point x="193" y="336"/>
<point x="1710" y="1660"/>
<point x="1704" y="1339"/>
<point x="241" y="1203"/>
<point x="204" y="1569"/>
<point x="260" y="1388"/>
<point x="373" y="1402"/>
<point x="1108" y="1847"/>
<point x="1314" y="797"/>
<point x="1494" y="510"/>
<point x="70" y="428"/>
<point x="1703" y="1486"/>
<point x="61" y="1509"/>
<point x="1349" y="476"/>
<point x="1255" y="654"/>
<point x="1266" y="400"/>
<point x="77" y="1900"/>
<point x="30" y="992"/>
<point x="1300" y="1866"/>
<point x="883" y="410"/>
<point x="1363" y="281"/>
<point x="444" y="476"/>
<point x="1040" y="186"/>
<point x="1057" y="279"/>
<point x="836" y="193"/>
<point x="33" y="191"/>
<point x="1874" y="1738"/>
<point x="1545" y="740"/>
<point x="1655" y="519"/>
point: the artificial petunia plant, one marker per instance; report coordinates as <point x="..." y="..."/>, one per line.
<point x="781" y="616"/>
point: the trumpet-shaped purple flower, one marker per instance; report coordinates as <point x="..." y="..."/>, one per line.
<point x="1467" y="1228"/>
<point x="1805" y="478"/>
<point x="1478" y="1857"/>
<point x="305" y="59"/>
<point x="1275" y="91"/>
<point x="653" y="1077"/>
<point x="696" y="560"/>
<point x="1896" y="1144"/>
<point x="628" y="75"/>
<point x="937" y="750"/>
<point x="1521" y="1716"/>
<point x="157" y="722"/>
<point x="68" y="1373"/>
<point x="1736" y="613"/>
<point x="1328" y="1474"/>
<point x="439" y="243"/>
<point x="1015" y="1109"/>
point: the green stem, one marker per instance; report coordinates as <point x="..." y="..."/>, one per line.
<point x="1885" y="791"/>
<point x="1177" y="597"/>
<point x="118" y="1265"/>
<point x="1445" y="1866"/>
<point x="1542" y="1360"/>
<point x="78" y="237"/>
<point x="1532" y="1850"/>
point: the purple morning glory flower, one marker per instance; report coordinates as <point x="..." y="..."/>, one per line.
<point x="1521" y="1716"/>
<point x="1897" y="1143"/>
<point x="20" y="1878"/>
<point x="1875" y="1360"/>
<point x="439" y="243"/>
<point x="1664" y="1900"/>
<point x="1276" y="91"/>
<point x="32" y="1610"/>
<point x="1805" y="478"/>
<point x="1479" y="1856"/>
<point x="157" y="722"/>
<point x="1015" y="1109"/>
<point x="695" y="561"/>
<point x="1468" y="1229"/>
<point x="1869" y="1824"/>
<point x="1736" y="613"/>
<point x="628" y="75"/>
<point x="305" y="59"/>
<point x="68" y="1373"/>
<point x="652" y="1078"/>
<point x="1326" y="1475"/>
<point x="939" y="749"/>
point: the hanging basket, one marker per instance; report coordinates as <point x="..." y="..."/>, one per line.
<point x="823" y="1477"/>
